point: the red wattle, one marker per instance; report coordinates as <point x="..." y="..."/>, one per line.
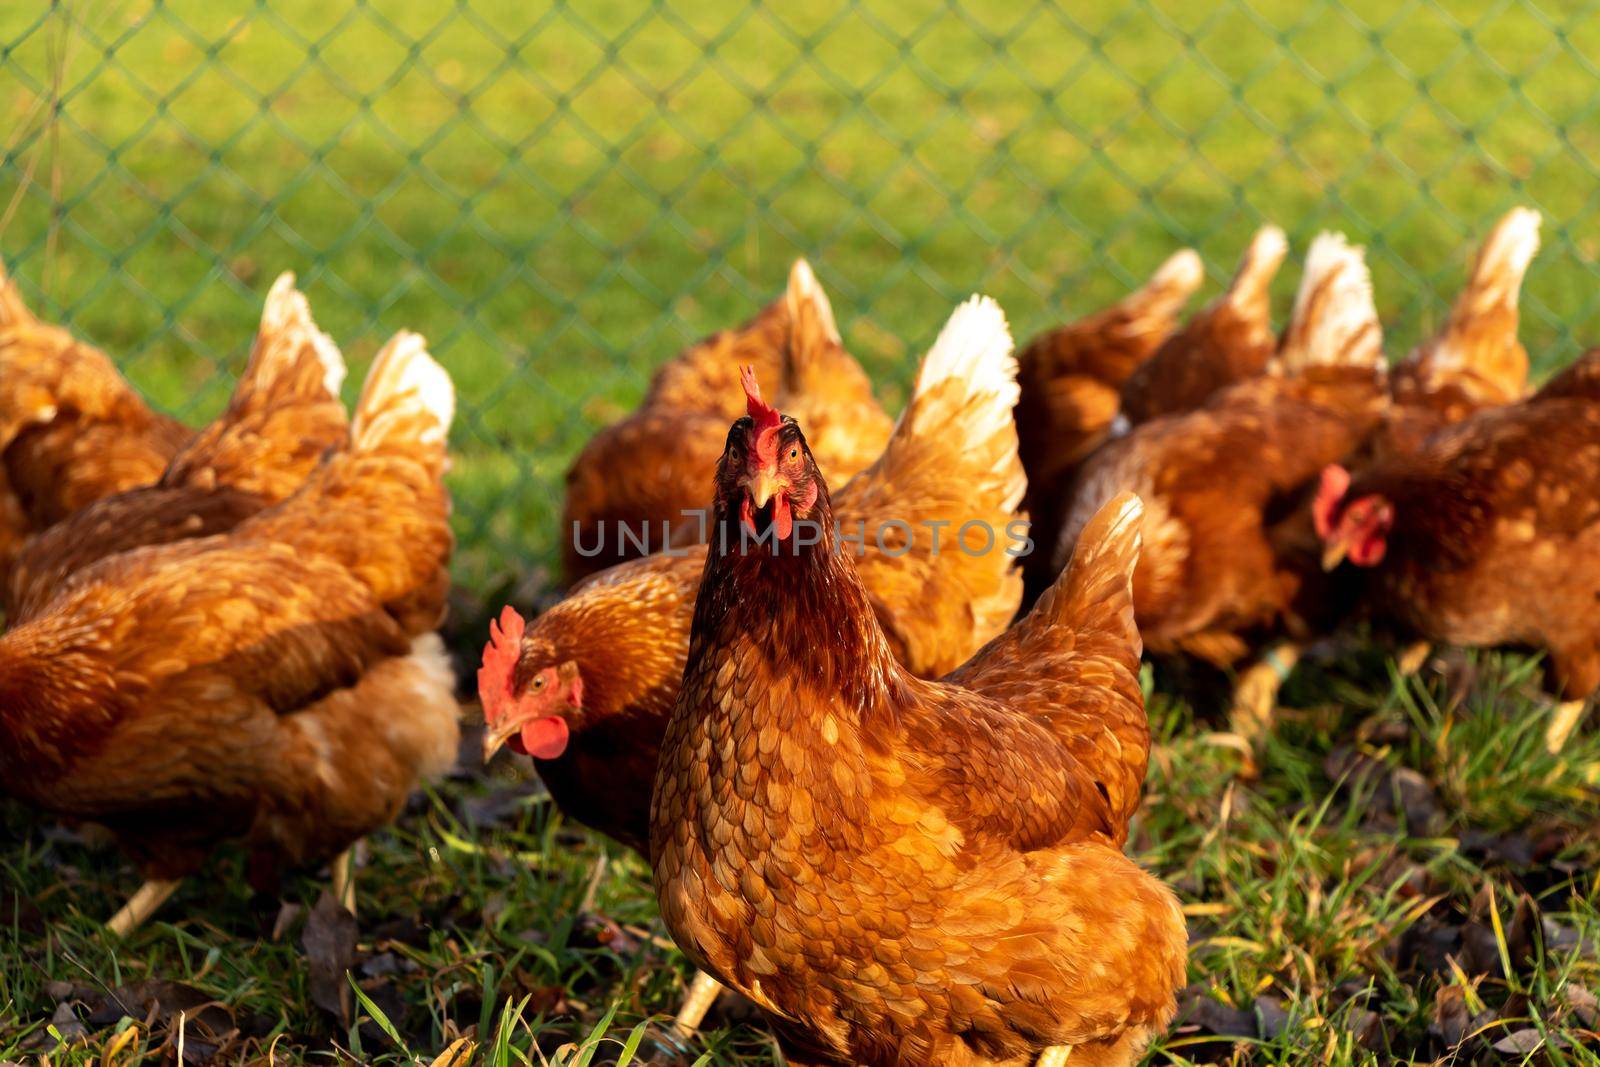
<point x="545" y="738"/>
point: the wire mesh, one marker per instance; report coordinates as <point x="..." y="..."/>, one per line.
<point x="561" y="194"/>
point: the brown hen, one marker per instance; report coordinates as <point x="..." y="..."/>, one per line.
<point x="1215" y="480"/>
<point x="72" y="430"/>
<point x="632" y="482"/>
<point x="896" y="870"/>
<point x="279" y="684"/>
<point x="588" y="688"/>
<point x="1489" y="533"/>
<point x="284" y="415"/>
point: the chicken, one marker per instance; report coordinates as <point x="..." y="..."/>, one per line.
<point x="587" y="688"/>
<point x="1070" y="378"/>
<point x="72" y="430"/>
<point x="897" y="870"/>
<point x="1475" y="361"/>
<point x="1217" y="569"/>
<point x="1230" y="341"/>
<point x="280" y="684"/>
<point x="1488" y="534"/>
<point x="284" y="415"/>
<point x="1213" y="479"/>
<point x="633" y="482"/>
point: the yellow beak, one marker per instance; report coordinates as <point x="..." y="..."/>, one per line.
<point x="763" y="487"/>
<point x="1333" y="555"/>
<point x="495" y="737"/>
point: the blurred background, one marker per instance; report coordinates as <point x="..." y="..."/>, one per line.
<point x="562" y="195"/>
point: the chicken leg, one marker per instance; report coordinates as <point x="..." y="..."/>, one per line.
<point x="143" y="904"/>
<point x="1562" y="722"/>
<point x="703" y="992"/>
<point x="1255" y="694"/>
<point x="1412" y="657"/>
<point x="344" y="879"/>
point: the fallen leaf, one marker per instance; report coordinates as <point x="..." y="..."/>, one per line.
<point x="1520" y="1042"/>
<point x="1427" y="946"/>
<point x="1271" y="1016"/>
<point x="380" y="965"/>
<point x="161" y="1002"/>
<point x="403" y="931"/>
<point x="1510" y="850"/>
<point x="1583" y="1003"/>
<point x="66" y="1023"/>
<point x="329" y="941"/>
<point x="1196" y="1008"/>
<point x="1451" y="1016"/>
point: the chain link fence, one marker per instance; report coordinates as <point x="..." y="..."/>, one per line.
<point x="561" y="194"/>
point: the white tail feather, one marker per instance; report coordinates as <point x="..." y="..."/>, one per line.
<point x="975" y="346"/>
<point x="404" y="369"/>
<point x="804" y="288"/>
<point x="1503" y="261"/>
<point x="287" y="310"/>
<point x="975" y="351"/>
<point x="1182" y="270"/>
<point x="1334" y="321"/>
<point x="1259" y="265"/>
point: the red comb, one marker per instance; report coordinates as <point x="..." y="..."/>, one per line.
<point x="764" y="414"/>
<point x="500" y="657"/>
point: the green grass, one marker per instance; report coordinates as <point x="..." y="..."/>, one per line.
<point x="561" y="196"/>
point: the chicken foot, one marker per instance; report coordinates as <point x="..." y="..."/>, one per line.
<point x="1562" y="722"/>
<point x="703" y="992"/>
<point x="344" y="879"/>
<point x="1255" y="694"/>
<point x="1412" y="657"/>
<point x="145" y="902"/>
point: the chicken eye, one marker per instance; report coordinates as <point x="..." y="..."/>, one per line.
<point x="794" y="454"/>
<point x="538" y="682"/>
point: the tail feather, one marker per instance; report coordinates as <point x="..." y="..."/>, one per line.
<point x="380" y="507"/>
<point x="975" y="350"/>
<point x="285" y="411"/>
<point x="407" y="403"/>
<point x="1260" y="265"/>
<point x="1334" y="322"/>
<point x="809" y="307"/>
<point x="1478" y="348"/>
<point x="1501" y="265"/>
<point x="953" y="459"/>
<point x="1158" y="301"/>
<point x="814" y="357"/>
<point x="292" y="359"/>
<point x="1095" y="589"/>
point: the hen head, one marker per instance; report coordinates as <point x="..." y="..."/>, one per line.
<point x="1357" y="529"/>
<point x="526" y="702"/>
<point x="767" y="476"/>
